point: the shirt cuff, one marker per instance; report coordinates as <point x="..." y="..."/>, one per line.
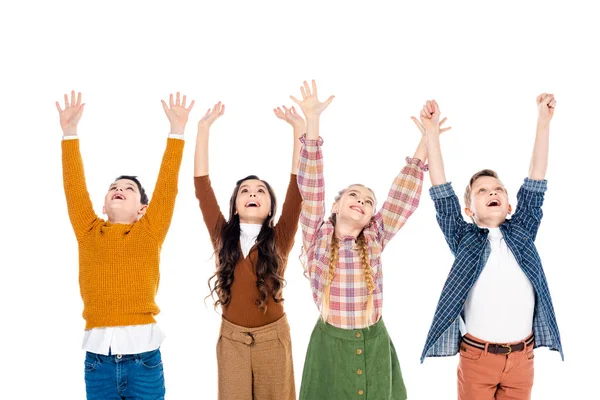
<point x="419" y="163"/>
<point x="535" y="186"/>
<point x="176" y="136"/>
<point x="441" y="191"/>
<point x="70" y="137"/>
<point x="311" y="142"/>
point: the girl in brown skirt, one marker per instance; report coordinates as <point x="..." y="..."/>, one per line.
<point x="350" y="355"/>
<point x="254" y="351"/>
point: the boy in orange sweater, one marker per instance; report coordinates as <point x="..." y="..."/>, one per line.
<point x="119" y="263"/>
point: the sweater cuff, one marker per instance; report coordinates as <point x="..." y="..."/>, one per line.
<point x="535" y="186"/>
<point x="441" y="191"/>
<point x="419" y="163"/>
<point x="311" y="142"/>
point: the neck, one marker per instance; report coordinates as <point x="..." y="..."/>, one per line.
<point x="488" y="222"/>
<point x="343" y="230"/>
<point x="255" y="221"/>
<point x="116" y="218"/>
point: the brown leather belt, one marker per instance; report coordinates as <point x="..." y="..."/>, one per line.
<point x="495" y="348"/>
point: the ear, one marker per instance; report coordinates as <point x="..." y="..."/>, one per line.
<point x="142" y="210"/>
<point x="334" y="208"/>
<point x="103" y="210"/>
<point x="469" y="212"/>
<point x="509" y="209"/>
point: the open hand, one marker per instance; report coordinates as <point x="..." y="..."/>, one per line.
<point x="310" y="104"/>
<point x="177" y="112"/>
<point x="211" y="115"/>
<point x="69" y="117"/>
<point x="291" y="116"/>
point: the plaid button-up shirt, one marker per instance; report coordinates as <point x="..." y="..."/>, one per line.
<point x="348" y="292"/>
<point x="471" y="248"/>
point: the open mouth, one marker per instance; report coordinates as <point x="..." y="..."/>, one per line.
<point x="358" y="209"/>
<point x="493" y="203"/>
<point x="118" y="196"/>
<point x="252" y="204"/>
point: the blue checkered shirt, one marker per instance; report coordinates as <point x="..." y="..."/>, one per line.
<point x="471" y="248"/>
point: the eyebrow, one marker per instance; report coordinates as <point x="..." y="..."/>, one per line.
<point x="128" y="184"/>
<point x="243" y="186"/>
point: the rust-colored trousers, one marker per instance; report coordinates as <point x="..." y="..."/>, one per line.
<point x="487" y="376"/>
<point x="256" y="363"/>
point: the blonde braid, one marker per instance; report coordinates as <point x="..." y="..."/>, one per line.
<point x="364" y="258"/>
<point x="333" y="260"/>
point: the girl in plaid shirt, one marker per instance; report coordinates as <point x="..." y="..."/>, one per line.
<point x="350" y="354"/>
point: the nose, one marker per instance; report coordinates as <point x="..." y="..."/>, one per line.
<point x="361" y="201"/>
<point x="119" y="189"/>
<point x="252" y="194"/>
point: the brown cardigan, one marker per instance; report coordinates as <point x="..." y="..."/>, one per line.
<point x="242" y="309"/>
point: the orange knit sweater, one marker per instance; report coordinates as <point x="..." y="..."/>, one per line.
<point x="119" y="263"/>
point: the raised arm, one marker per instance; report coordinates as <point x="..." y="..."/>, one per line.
<point x="290" y="116"/>
<point x="79" y="205"/>
<point x="310" y="173"/>
<point x="430" y="120"/>
<point x="160" y="210"/>
<point x="287" y="225"/>
<point x="539" y="158"/>
<point x="201" y="154"/>
<point x="447" y="206"/>
<point x="213" y="217"/>
<point x="530" y="197"/>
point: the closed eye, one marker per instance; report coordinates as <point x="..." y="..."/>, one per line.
<point x="243" y="190"/>
<point x="499" y="189"/>
<point x="352" y="194"/>
<point x="130" y="188"/>
<point x="261" y="190"/>
<point x="369" y="202"/>
<point x="481" y="190"/>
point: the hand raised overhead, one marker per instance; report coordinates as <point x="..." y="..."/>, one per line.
<point x="70" y="116"/>
<point x="211" y="115"/>
<point x="310" y="104"/>
<point x="291" y="116"/>
<point x="177" y="113"/>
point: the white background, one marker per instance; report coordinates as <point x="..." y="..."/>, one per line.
<point x="484" y="62"/>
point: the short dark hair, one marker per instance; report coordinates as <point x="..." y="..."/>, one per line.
<point x="477" y="175"/>
<point x="143" y="195"/>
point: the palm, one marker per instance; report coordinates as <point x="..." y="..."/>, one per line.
<point x="212" y="115"/>
<point x="176" y="111"/>
<point x="310" y="104"/>
<point x="70" y="116"/>
<point x="290" y="116"/>
<point x="177" y="115"/>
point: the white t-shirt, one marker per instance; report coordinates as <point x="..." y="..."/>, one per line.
<point x="500" y="305"/>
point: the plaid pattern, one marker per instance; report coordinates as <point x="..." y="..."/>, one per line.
<point x="471" y="248"/>
<point x="348" y="293"/>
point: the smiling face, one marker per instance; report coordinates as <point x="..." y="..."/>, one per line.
<point x="253" y="202"/>
<point x="123" y="202"/>
<point x="355" y="206"/>
<point x="488" y="202"/>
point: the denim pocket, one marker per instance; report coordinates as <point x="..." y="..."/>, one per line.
<point x="151" y="359"/>
<point x="90" y="363"/>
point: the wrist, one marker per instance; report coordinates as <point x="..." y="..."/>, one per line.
<point x="70" y="132"/>
<point x="177" y="129"/>
<point x="543" y="123"/>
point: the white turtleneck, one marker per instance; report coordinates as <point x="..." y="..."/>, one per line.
<point x="248" y="235"/>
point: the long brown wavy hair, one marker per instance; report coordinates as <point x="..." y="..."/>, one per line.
<point x="269" y="282"/>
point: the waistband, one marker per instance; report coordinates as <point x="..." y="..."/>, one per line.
<point x="367" y="333"/>
<point x="259" y="334"/>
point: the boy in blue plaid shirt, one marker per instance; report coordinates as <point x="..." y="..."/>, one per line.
<point x="494" y="332"/>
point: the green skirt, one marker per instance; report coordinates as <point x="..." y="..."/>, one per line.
<point x="351" y="364"/>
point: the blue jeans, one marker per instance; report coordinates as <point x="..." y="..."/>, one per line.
<point x="131" y="376"/>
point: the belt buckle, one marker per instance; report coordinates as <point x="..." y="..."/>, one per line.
<point x="508" y="347"/>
